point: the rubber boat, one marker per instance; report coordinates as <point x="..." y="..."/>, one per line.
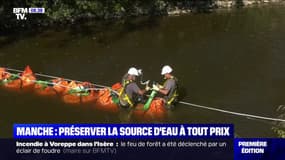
<point x="78" y="93"/>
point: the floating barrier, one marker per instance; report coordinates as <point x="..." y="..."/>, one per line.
<point x="22" y="80"/>
<point x="156" y="111"/>
<point x="77" y="92"/>
<point x="60" y="85"/>
<point x="104" y="99"/>
<point x="44" y="91"/>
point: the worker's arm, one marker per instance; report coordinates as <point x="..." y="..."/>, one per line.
<point x="164" y="91"/>
<point x="141" y="92"/>
<point x="138" y="90"/>
<point x="167" y="87"/>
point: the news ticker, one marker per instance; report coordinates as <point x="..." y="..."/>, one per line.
<point x="203" y="141"/>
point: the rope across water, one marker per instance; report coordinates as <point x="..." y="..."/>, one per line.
<point x="54" y="83"/>
<point x="49" y="76"/>
<point x="181" y="102"/>
<point x="232" y="112"/>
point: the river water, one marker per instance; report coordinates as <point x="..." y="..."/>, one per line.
<point x="232" y="60"/>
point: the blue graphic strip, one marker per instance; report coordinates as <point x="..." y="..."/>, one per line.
<point x="123" y="131"/>
<point x="259" y="148"/>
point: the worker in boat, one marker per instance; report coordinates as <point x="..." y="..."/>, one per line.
<point x="138" y="71"/>
<point x="169" y="88"/>
<point x="131" y="93"/>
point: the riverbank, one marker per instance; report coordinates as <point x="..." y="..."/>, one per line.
<point x="69" y="12"/>
<point x="244" y="3"/>
<point x="61" y="16"/>
<point x="209" y="6"/>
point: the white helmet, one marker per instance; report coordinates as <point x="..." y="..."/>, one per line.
<point x="166" y="69"/>
<point x="133" y="71"/>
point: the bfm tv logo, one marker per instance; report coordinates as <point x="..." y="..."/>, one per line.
<point x="21" y="12"/>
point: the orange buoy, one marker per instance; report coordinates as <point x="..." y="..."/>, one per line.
<point x="105" y="103"/>
<point x="27" y="77"/>
<point x="60" y="85"/>
<point x="2" y="74"/>
<point x="26" y="80"/>
<point x="71" y="98"/>
<point x="117" y="86"/>
<point x="92" y="97"/>
<point x="155" y="112"/>
<point x="70" y="86"/>
<point x="104" y="97"/>
<point x="10" y="84"/>
<point x="44" y="91"/>
<point x="15" y="84"/>
<point x="157" y="109"/>
<point x="77" y="97"/>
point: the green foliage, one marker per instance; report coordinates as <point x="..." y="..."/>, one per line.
<point x="280" y="132"/>
<point x="88" y="6"/>
<point x="69" y="10"/>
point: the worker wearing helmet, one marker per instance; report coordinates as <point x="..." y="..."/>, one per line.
<point x="169" y="88"/>
<point x="131" y="93"/>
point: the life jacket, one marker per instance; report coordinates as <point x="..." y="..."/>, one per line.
<point x="123" y="95"/>
<point x="172" y="96"/>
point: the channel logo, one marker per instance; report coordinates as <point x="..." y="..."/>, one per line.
<point x="22" y="12"/>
